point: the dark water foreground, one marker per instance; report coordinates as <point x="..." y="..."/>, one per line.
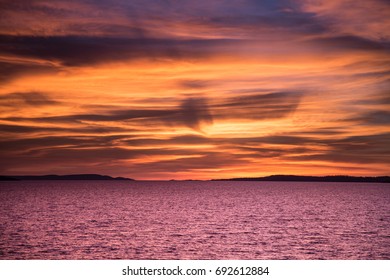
<point x="194" y="220"/>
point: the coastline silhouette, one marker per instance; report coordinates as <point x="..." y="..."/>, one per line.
<point x="62" y="177"/>
<point x="283" y="178"/>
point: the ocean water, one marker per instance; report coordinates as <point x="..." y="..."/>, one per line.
<point x="194" y="220"/>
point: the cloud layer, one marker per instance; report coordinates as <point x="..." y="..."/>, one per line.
<point x="195" y="89"/>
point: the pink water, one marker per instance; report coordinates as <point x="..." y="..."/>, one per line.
<point x="194" y="220"/>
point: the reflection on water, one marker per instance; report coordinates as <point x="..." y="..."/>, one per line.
<point x="194" y="220"/>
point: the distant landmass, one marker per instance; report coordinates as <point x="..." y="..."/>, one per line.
<point x="8" y="178"/>
<point x="286" y="178"/>
<point x="62" y="177"/>
<point x="295" y="178"/>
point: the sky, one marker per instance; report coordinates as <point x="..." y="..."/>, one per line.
<point x="187" y="89"/>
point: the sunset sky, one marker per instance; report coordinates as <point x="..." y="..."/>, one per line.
<point x="169" y="89"/>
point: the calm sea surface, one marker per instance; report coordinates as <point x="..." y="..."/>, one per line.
<point x="194" y="220"/>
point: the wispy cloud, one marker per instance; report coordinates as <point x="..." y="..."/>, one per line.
<point x="25" y="98"/>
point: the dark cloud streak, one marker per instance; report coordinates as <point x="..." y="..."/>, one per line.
<point x="87" y="50"/>
<point x="26" y="98"/>
<point x="351" y="42"/>
<point x="10" y="70"/>
<point x="260" y="106"/>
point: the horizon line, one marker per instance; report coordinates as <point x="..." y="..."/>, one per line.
<point x="274" y="177"/>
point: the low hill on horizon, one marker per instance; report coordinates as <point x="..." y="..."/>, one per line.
<point x="298" y="178"/>
<point x="62" y="177"/>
